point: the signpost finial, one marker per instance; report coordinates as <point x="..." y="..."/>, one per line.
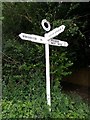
<point x="46" y="25"/>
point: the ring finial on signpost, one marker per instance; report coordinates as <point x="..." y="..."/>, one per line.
<point x="46" y="25"/>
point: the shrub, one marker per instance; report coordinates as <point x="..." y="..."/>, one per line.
<point x="29" y="101"/>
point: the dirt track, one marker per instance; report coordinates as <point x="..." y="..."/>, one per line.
<point x="83" y="91"/>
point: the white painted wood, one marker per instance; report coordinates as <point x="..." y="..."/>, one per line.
<point x="40" y="39"/>
<point x="56" y="42"/>
<point x="33" y="38"/>
<point x="55" y="32"/>
<point x="47" y="75"/>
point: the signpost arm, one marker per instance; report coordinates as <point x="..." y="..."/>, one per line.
<point x="47" y="75"/>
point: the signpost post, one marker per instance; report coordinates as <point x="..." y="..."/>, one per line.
<point x="47" y="40"/>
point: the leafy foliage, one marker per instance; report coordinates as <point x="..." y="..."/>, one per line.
<point x="31" y="103"/>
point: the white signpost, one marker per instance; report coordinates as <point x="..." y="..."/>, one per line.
<point x="47" y="40"/>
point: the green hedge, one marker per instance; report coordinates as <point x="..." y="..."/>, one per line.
<point x="22" y="105"/>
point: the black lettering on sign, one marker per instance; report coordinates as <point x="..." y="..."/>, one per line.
<point x="51" y="42"/>
<point x="57" y="30"/>
<point x="35" y="38"/>
<point x="40" y="39"/>
<point x="60" y="44"/>
<point x="29" y="37"/>
<point x="23" y="35"/>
